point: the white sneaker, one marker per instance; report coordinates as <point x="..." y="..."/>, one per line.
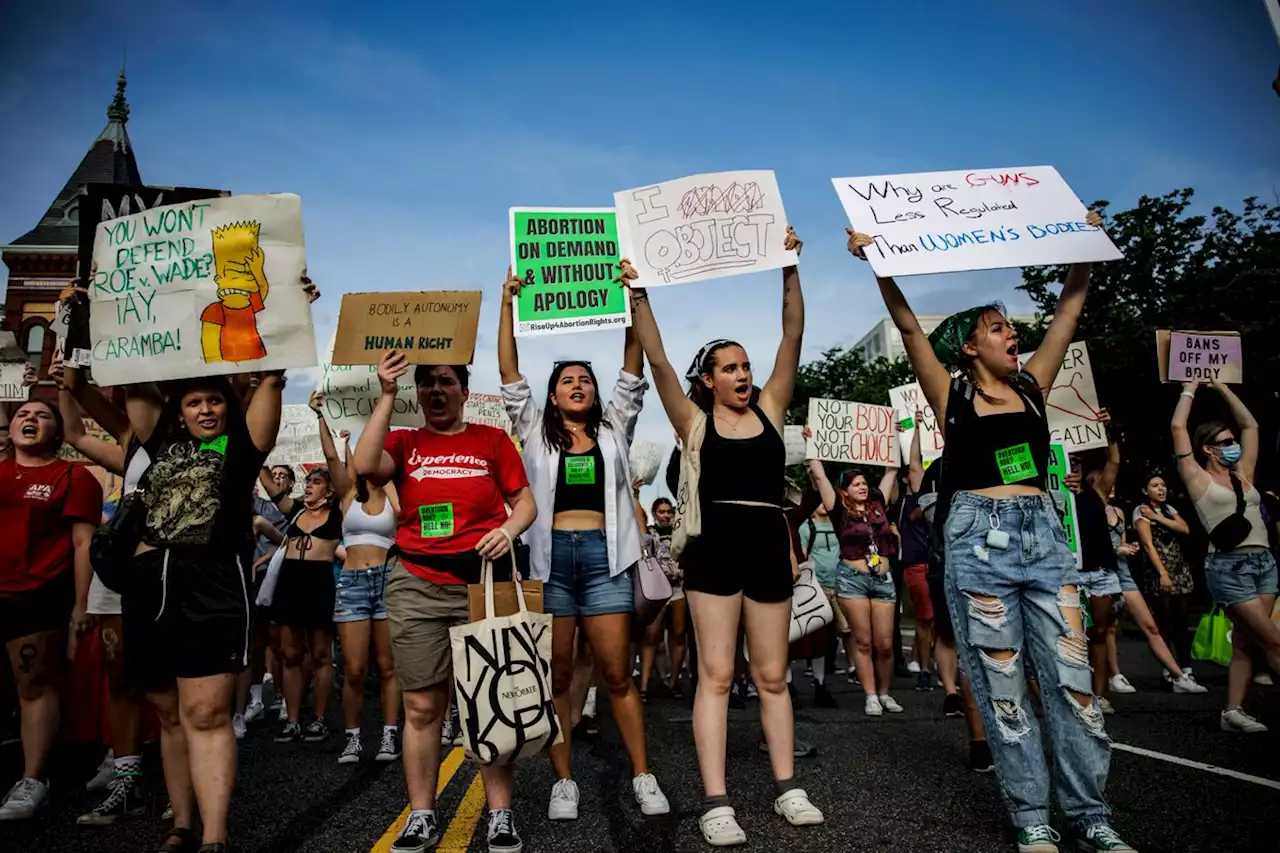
<point x="106" y="773"/>
<point x="913" y="667"/>
<point x="872" y="707"/>
<point x="284" y="711"/>
<point x="564" y="801"/>
<point x="1238" y="721"/>
<point x="589" y="707"/>
<point x="1263" y="679"/>
<point x="649" y="796"/>
<point x="1104" y="705"/>
<point x="1120" y="684"/>
<point x="720" y="827"/>
<point x="353" y="751"/>
<point x="167" y="814"/>
<point x="794" y="805"/>
<point x="1187" y="684"/>
<point x="254" y="711"/>
<point x="890" y="704"/>
<point x="239" y="727"/>
<point x="23" y="799"/>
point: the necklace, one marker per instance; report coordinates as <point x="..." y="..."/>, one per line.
<point x="733" y="426"/>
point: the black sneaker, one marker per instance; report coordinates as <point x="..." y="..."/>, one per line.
<point x="315" y="731"/>
<point x="125" y="798"/>
<point x="822" y="697"/>
<point x="291" y="733"/>
<point x="503" y="837"/>
<point x="980" y="757"/>
<point x="924" y="682"/>
<point x="737" y="696"/>
<point x="216" y="847"/>
<point x="421" y="830"/>
<point x="952" y="706"/>
<point x="178" y="841"/>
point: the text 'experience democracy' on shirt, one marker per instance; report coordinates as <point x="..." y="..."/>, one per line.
<point x="452" y="491"/>
<point x="38" y="507"/>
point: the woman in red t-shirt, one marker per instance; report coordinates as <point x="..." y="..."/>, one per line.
<point x="49" y="509"/>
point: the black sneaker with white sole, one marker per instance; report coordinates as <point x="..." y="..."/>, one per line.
<point x="290" y="733"/>
<point x="980" y="760"/>
<point x="421" y="832"/>
<point x="389" y="748"/>
<point x="125" y="798"/>
<point x="315" y="731"/>
<point x="353" y="751"/>
<point x="503" y="837"/>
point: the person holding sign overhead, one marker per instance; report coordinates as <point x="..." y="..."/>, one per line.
<point x="1012" y="585"/>
<point x="734" y="542"/>
<point x="586" y="538"/>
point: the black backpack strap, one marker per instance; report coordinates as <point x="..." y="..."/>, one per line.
<point x="813" y="535"/>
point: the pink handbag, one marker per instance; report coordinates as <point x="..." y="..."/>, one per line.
<point x="650" y="585"/>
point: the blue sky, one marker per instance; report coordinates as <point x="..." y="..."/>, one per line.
<point x="409" y="129"/>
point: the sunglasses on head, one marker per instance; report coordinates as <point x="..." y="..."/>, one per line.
<point x="571" y="361"/>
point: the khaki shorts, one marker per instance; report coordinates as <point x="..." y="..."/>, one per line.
<point x="842" y="625"/>
<point x="420" y="615"/>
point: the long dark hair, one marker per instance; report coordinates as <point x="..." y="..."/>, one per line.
<point x="172" y="425"/>
<point x="553" y="431"/>
<point x="705" y="363"/>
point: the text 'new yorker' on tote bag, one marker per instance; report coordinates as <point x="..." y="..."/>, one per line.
<point x="502" y="678"/>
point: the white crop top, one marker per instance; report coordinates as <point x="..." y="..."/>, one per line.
<point x="1219" y="502"/>
<point x="360" y="528"/>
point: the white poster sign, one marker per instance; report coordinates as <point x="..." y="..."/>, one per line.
<point x="793" y="440"/>
<point x="857" y="433"/>
<point x="936" y="222"/>
<point x="199" y="289"/>
<point x="906" y="401"/>
<point x="487" y="409"/>
<point x="1072" y="402"/>
<point x="646" y="459"/>
<point x="703" y="227"/>
<point x="298" y="439"/>
<point x="11" y="387"/>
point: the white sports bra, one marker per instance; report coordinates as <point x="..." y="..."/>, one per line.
<point x="360" y="528"/>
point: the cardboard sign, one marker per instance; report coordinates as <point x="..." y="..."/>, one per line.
<point x="1072" y="402"/>
<point x="703" y="227"/>
<point x="11" y="385"/>
<point x="905" y="401"/>
<point x="856" y="433"/>
<point x="203" y="288"/>
<point x="1063" y="499"/>
<point x="936" y="222"/>
<point x="298" y="439"/>
<point x="568" y="258"/>
<point x="430" y="327"/>
<point x="487" y="409"/>
<point x="1208" y="356"/>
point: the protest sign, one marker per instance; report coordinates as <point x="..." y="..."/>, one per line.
<point x="487" y="409"/>
<point x="645" y="460"/>
<point x="298" y="439"/>
<point x="857" y="433"/>
<point x="91" y="428"/>
<point x="795" y="444"/>
<point x="201" y="289"/>
<point x="429" y="327"/>
<point x="568" y="258"/>
<point x="1072" y="402"/>
<point x="906" y="401"/>
<point x="1063" y="499"/>
<point x="1207" y="356"/>
<point x="11" y="385"/>
<point x="936" y="222"/>
<point x="703" y="227"/>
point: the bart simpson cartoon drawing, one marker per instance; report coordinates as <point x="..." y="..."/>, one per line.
<point x="229" y="327"/>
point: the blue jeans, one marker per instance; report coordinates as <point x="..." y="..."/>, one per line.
<point x="1127" y="583"/>
<point x="852" y="582"/>
<point x="361" y="594"/>
<point x="580" y="584"/>
<point x="1012" y="600"/>
<point x="1235" y="577"/>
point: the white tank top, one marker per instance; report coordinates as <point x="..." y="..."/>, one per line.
<point x="360" y="528"/>
<point x="139" y="462"/>
<point x="1219" y="502"/>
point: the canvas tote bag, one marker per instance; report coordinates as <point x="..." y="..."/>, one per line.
<point x="502" y="678"/>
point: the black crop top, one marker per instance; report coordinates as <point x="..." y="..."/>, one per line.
<point x="1011" y="448"/>
<point x="580" y="482"/>
<point x="329" y="531"/>
<point x="743" y="469"/>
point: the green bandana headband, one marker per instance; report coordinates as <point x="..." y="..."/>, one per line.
<point x="953" y="333"/>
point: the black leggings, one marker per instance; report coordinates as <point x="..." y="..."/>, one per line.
<point x="1170" y="613"/>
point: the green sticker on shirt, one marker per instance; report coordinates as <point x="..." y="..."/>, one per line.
<point x="436" y="520"/>
<point x="1015" y="463"/>
<point x="580" y="470"/>
<point x="217" y="445"/>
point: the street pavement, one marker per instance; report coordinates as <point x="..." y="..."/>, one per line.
<point x="892" y="783"/>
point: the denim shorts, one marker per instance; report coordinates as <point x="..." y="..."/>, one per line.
<point x="1237" y="577"/>
<point x="1127" y="583"/>
<point x="579" y="584"/>
<point x="852" y="583"/>
<point x="1100" y="583"/>
<point x="361" y="594"/>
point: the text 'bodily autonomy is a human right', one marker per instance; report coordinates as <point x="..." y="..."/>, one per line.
<point x="937" y="222"/>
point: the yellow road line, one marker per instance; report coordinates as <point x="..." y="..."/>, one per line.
<point x="448" y="768"/>
<point x="457" y="838"/>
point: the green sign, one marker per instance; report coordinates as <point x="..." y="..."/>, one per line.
<point x="1062" y="497"/>
<point x="436" y="520"/>
<point x="568" y="258"/>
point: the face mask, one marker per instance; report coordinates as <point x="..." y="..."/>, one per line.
<point x="1231" y="454"/>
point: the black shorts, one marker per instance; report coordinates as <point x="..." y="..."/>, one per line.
<point x="942" y="625"/>
<point x="742" y="549"/>
<point x="186" y="615"/>
<point x="304" y="594"/>
<point x="39" y="611"/>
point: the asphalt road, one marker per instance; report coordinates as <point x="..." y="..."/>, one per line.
<point x="892" y="783"/>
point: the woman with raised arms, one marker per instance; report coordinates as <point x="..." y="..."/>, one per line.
<point x="1011" y="580"/>
<point x="739" y="564"/>
<point x="586" y="538"/>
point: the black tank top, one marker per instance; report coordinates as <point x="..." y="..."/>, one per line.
<point x="1096" y="549"/>
<point x="1011" y="448"/>
<point x="745" y="469"/>
<point x="580" y="482"/>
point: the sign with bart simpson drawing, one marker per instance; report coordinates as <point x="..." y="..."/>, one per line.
<point x="200" y="289"/>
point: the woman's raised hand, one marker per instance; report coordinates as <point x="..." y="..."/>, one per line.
<point x="858" y="243"/>
<point x="792" y="242"/>
<point x="511" y="287"/>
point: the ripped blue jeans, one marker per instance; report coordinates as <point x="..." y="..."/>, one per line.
<point x="1009" y="602"/>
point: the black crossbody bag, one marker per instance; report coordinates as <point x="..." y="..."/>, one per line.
<point x="1234" y="529"/>
<point x="113" y="544"/>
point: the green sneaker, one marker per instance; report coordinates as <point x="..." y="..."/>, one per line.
<point x="1038" y="839"/>
<point x="1101" y="838"/>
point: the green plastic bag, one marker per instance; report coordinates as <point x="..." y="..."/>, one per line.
<point x="1213" y="638"/>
